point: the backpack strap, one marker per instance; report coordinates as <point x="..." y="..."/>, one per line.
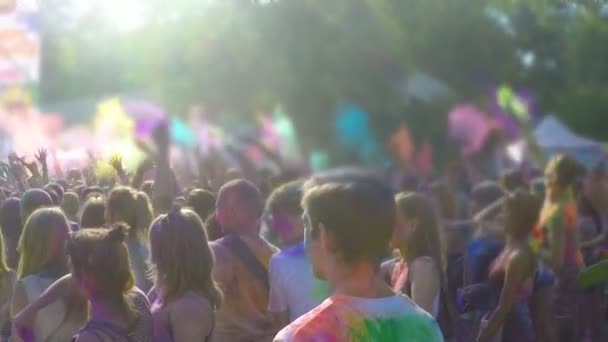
<point x="240" y="249"/>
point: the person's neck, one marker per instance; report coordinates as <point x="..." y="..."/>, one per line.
<point x="102" y="311"/>
<point x="359" y="280"/>
<point x="55" y="270"/>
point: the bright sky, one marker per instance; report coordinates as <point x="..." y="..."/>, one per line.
<point x="124" y="15"/>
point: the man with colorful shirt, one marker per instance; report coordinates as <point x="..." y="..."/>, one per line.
<point x="241" y="266"/>
<point x="294" y="290"/>
<point x="348" y="225"/>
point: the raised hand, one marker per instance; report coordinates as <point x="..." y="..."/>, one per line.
<point x="41" y="156"/>
<point x="161" y="136"/>
<point x="116" y="163"/>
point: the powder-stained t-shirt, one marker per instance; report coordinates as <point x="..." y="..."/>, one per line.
<point x="350" y="319"/>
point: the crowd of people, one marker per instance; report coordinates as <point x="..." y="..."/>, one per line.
<point x="335" y="256"/>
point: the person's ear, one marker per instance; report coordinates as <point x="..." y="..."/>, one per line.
<point x="326" y="239"/>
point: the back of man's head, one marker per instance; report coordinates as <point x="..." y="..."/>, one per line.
<point x="286" y="199"/>
<point x="239" y="205"/>
<point x="513" y="180"/>
<point x="358" y="212"/>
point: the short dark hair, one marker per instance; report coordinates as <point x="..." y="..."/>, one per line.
<point x="359" y="212"/>
<point x="248" y="195"/>
<point x="513" y="180"/>
<point x="57" y="188"/>
<point x="54" y="196"/>
<point x="202" y="202"/>
<point x="91" y="190"/>
<point x="286" y="198"/>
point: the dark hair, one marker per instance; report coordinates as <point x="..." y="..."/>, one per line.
<point x="247" y="194"/>
<point x="10" y="219"/>
<point x="89" y="190"/>
<point x="286" y="198"/>
<point x="93" y="213"/>
<point x="53" y="194"/>
<point x="202" y="202"/>
<point x="512" y="180"/>
<point x="360" y="213"/>
<point x="70" y="205"/>
<point x="64" y="184"/>
<point x="32" y="200"/>
<point x="564" y="170"/>
<point x="522" y="210"/>
<point x="122" y="205"/>
<point x="59" y="190"/>
<point x="213" y="228"/>
<point x="427" y="238"/>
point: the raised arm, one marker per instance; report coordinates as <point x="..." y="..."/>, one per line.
<point x="41" y="156"/>
<point x="24" y="315"/>
<point x="164" y="189"/>
<point x="116" y="163"/>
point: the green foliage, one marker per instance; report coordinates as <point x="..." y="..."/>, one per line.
<point x="246" y="56"/>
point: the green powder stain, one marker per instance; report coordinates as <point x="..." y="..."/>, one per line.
<point x="406" y="328"/>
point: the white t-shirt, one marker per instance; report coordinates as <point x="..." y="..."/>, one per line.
<point x="293" y="286"/>
<point x="343" y="318"/>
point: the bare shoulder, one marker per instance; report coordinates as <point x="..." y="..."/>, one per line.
<point x="423" y="263"/>
<point x="386" y="268"/>
<point x="190" y="306"/>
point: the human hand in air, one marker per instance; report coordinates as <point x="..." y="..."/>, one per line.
<point x="116" y="163"/>
<point x="41" y="156"/>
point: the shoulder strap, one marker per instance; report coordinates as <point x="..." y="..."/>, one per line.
<point x="246" y="256"/>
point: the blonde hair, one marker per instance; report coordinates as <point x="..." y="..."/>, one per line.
<point x="182" y="257"/>
<point x="4" y="270"/>
<point x="144" y="216"/>
<point x="42" y="228"/>
<point x="101" y="254"/>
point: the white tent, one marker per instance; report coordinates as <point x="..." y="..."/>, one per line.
<point x="554" y="137"/>
<point x="551" y="133"/>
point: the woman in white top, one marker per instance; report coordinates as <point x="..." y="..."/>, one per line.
<point x="42" y="262"/>
<point x="418" y="272"/>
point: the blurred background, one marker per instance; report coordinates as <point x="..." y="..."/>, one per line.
<point x="328" y="82"/>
